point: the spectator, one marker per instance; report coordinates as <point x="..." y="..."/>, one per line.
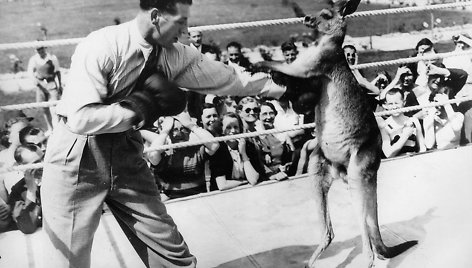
<point x="213" y="53"/>
<point x="350" y="52"/>
<point x="16" y="64"/>
<point x="24" y="196"/>
<point x="462" y="42"/>
<point x="236" y="57"/>
<point x="6" y="221"/>
<point x="424" y="47"/>
<point x="290" y="51"/>
<point x="400" y="133"/>
<point x="180" y="171"/>
<point x="442" y="126"/>
<point x="15" y="122"/>
<point x="220" y="163"/>
<point x="404" y="79"/>
<point x="277" y="154"/>
<point x="195" y="38"/>
<point x="382" y="80"/>
<point x="243" y="162"/>
<point x="45" y="71"/>
<point x="437" y="77"/>
<point x="33" y="135"/>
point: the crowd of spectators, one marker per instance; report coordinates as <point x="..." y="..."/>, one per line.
<point x="219" y="166"/>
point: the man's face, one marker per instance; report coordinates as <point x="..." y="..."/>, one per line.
<point x="209" y="116"/>
<point x="171" y="26"/>
<point x="39" y="140"/>
<point x="179" y="133"/>
<point x="350" y="55"/>
<point x="250" y="112"/>
<point x="234" y="54"/>
<point x="407" y="79"/>
<point x="434" y="82"/>
<point x="290" y="55"/>
<point x="267" y="116"/>
<point x="41" y="51"/>
<point x="195" y="38"/>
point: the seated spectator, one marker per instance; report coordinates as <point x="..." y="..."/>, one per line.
<point x="424" y="47"/>
<point x="442" y="126"/>
<point x="400" y="134"/>
<point x="33" y="135"/>
<point x="241" y="162"/>
<point x="382" y="80"/>
<point x="404" y="79"/>
<point x="352" y="58"/>
<point x="24" y="196"/>
<point x="6" y="221"/>
<point x="15" y="122"/>
<point x="181" y="171"/>
<point x="277" y="154"/>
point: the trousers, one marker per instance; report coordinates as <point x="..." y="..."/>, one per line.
<point x="82" y="172"/>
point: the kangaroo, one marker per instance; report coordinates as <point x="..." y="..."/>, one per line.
<point x="349" y="141"/>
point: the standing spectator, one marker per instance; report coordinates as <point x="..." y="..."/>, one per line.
<point x="195" y="38"/>
<point x="107" y="99"/>
<point x="24" y="196"/>
<point x="236" y="57"/>
<point x="181" y="171"/>
<point x="16" y="64"/>
<point x="400" y="134"/>
<point x="45" y="70"/>
<point x="462" y="42"/>
<point x="442" y="125"/>
<point x="290" y="51"/>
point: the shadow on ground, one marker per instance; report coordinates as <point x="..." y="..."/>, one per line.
<point x="297" y="256"/>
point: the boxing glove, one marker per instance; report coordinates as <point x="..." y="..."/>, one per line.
<point x="155" y="97"/>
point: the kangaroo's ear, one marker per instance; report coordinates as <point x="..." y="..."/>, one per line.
<point x="346" y="7"/>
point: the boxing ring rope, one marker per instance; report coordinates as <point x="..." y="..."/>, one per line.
<point x="239" y="25"/>
<point x="255" y="24"/>
<point x="253" y="134"/>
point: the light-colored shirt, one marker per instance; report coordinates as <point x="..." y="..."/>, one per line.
<point x="107" y="63"/>
<point x="36" y="61"/>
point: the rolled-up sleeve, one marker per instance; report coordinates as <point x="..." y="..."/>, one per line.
<point x="204" y="75"/>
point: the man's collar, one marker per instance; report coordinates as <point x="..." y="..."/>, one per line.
<point x="138" y="39"/>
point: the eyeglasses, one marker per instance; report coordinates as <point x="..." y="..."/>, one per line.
<point x="255" y="109"/>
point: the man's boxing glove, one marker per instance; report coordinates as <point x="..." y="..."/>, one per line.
<point x="154" y="98"/>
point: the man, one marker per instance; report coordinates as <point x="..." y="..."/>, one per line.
<point x="236" y="57"/>
<point x="45" y="71"/>
<point x="195" y="38"/>
<point x="118" y="83"/>
<point x="290" y="51"/>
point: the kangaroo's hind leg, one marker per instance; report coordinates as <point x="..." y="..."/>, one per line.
<point x="319" y="166"/>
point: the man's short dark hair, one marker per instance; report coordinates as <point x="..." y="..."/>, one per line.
<point x="27" y="131"/>
<point x="396" y="90"/>
<point x="234" y="44"/>
<point x="164" y="5"/>
<point x="424" y="42"/>
<point x="20" y="149"/>
<point x="286" y="46"/>
<point x="350" y="46"/>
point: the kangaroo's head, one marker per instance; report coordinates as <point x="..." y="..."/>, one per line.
<point x="330" y="22"/>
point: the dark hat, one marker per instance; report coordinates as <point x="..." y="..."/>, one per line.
<point x="11" y="117"/>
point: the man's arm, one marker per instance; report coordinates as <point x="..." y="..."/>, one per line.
<point x="82" y="101"/>
<point x="201" y="74"/>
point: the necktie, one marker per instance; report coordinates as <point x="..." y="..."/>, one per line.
<point x="150" y="67"/>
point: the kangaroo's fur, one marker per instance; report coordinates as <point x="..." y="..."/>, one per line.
<point x="349" y="141"/>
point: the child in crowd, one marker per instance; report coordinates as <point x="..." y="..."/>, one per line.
<point x="400" y="133"/>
